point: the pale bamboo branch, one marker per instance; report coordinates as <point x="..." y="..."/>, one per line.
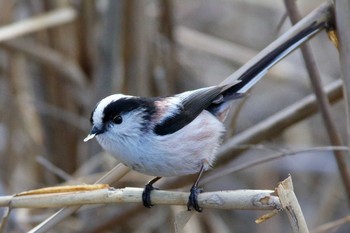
<point x="291" y="205"/>
<point x="37" y="23"/>
<point x="237" y="199"/>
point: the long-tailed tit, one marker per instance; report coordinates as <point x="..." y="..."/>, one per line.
<point x="179" y="135"/>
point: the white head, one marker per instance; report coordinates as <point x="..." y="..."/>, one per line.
<point x="118" y="117"/>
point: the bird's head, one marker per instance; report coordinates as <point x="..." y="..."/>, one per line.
<point x="120" y="116"/>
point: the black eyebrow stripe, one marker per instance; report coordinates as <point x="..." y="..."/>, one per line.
<point x="124" y="105"/>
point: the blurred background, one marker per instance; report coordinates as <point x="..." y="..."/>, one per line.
<point x="66" y="55"/>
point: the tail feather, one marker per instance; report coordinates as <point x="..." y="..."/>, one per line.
<point x="250" y="73"/>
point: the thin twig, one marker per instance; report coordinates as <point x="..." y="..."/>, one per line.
<point x="322" y="100"/>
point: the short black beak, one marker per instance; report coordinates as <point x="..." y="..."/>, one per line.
<point x="94" y="131"/>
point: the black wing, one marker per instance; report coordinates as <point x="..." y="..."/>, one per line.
<point x="191" y="107"/>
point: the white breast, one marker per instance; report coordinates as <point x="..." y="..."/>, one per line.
<point x="180" y="153"/>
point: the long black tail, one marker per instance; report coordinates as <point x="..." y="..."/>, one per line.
<point x="258" y="66"/>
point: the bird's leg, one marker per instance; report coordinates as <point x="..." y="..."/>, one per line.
<point x="146" y="194"/>
<point x="193" y="198"/>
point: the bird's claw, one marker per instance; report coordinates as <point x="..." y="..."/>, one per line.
<point x="193" y="199"/>
<point x="146" y="195"/>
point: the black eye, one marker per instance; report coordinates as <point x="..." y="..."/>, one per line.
<point x="117" y="119"/>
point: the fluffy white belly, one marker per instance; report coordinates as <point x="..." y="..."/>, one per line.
<point x="180" y="153"/>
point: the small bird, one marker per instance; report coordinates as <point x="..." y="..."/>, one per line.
<point x="163" y="136"/>
<point x="179" y="134"/>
